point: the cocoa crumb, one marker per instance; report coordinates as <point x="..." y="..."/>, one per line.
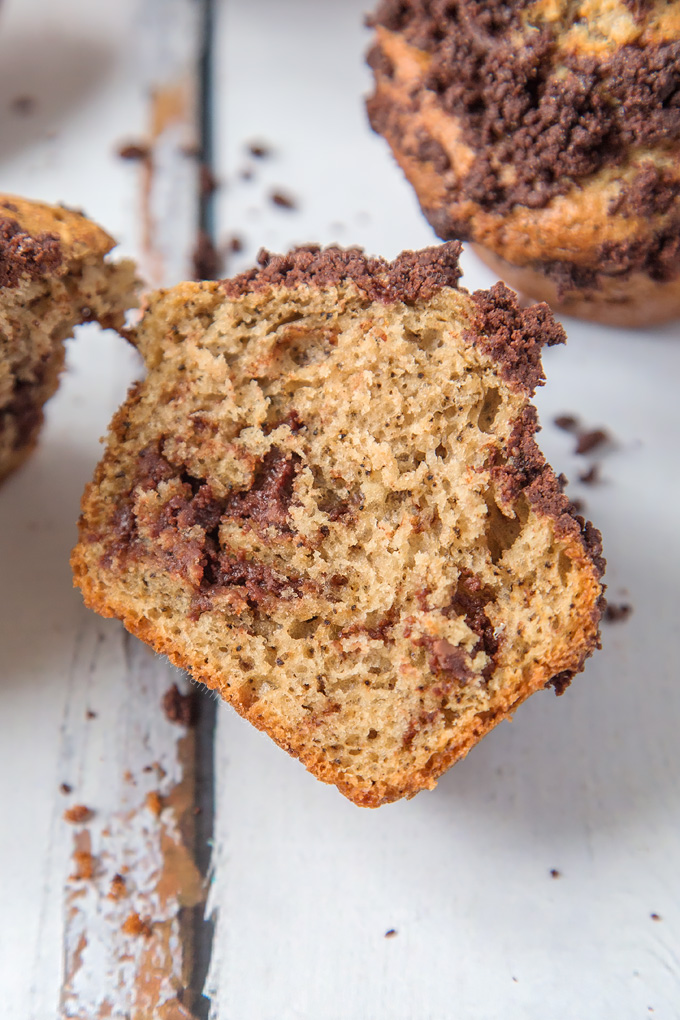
<point x="578" y="506"/>
<point x="591" y="476"/>
<point x="154" y="802"/>
<point x="179" y="708"/>
<point x="282" y="200"/>
<point x="566" y="422"/>
<point x="208" y="183"/>
<point x="207" y="261"/>
<point x="78" y="814"/>
<point x="260" y="150"/>
<point x="235" y="244"/>
<point x="89" y="714"/>
<point x="589" y="441"/>
<point x="655" y="917"/>
<point x="554" y="873"/>
<point x="118" y="888"/>
<point x="84" y="866"/>
<point x="23" y="105"/>
<point x="134" y="151"/>
<point x="390" y="933"/>
<point x="247" y="173"/>
<point x="134" y="925"/>
<point x="616" y="614"/>
<point x="66" y="788"/>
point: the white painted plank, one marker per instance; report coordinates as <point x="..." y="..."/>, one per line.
<point x="99" y="75"/>
<point x="307" y="885"/>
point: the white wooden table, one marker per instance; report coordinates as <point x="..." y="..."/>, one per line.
<point x="305" y="887"/>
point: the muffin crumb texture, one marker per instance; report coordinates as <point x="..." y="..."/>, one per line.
<point x="325" y="501"/>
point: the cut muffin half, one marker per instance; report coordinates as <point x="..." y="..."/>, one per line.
<point x="53" y="276"/>
<point x="326" y="502"/>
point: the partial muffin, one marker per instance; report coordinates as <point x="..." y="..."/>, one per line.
<point x="548" y="133"/>
<point x="325" y="501"/>
<point x="53" y="276"/>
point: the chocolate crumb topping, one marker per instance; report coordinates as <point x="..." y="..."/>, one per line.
<point x="514" y="336"/>
<point x="411" y="277"/>
<point x="559" y="683"/>
<point x="554" y="117"/>
<point x="23" y="255"/>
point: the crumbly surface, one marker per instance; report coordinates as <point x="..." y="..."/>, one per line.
<point x="547" y="132"/>
<point x="325" y="501"/>
<point x="53" y="276"/>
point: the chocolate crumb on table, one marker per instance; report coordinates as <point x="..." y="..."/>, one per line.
<point x="591" y="476"/>
<point x="282" y="200"/>
<point x="390" y="933"/>
<point x="134" y="151"/>
<point x="260" y="150"/>
<point x="208" y="182"/>
<point x="589" y="441"/>
<point x="134" y="925"/>
<point x="554" y="873"/>
<point x="655" y="917"/>
<point x="207" y="261"/>
<point x="66" y="788"/>
<point x="89" y="714"/>
<point x="617" y="614"/>
<point x="566" y="422"/>
<point x="179" y="708"/>
<point x="23" y="105"/>
<point x="78" y="814"/>
<point x="235" y="244"/>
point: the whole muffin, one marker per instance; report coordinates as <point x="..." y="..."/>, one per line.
<point x="326" y="502"/>
<point x="53" y="276"/>
<point x="547" y="133"/>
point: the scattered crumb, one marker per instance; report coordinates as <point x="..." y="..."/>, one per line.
<point x="89" y="714"/>
<point x="591" y="476"/>
<point x="207" y="262"/>
<point x="23" y="105"/>
<point x="178" y="707"/>
<point x="66" y="788"/>
<point x="118" y="888"/>
<point x="390" y="933"/>
<point x="589" y="441"/>
<point x="260" y="150"/>
<point x="134" y="925"/>
<point x="84" y="865"/>
<point x="235" y="243"/>
<point x="555" y="873"/>
<point x="247" y="173"/>
<point x="208" y="183"/>
<point x="134" y="151"/>
<point x="154" y="802"/>
<point x="566" y="422"/>
<point x="78" y="814"/>
<point x="282" y="200"/>
<point x="616" y="614"/>
<point x="515" y="980"/>
<point x="578" y="506"/>
<point x="655" y="917"/>
<point x="128" y="777"/>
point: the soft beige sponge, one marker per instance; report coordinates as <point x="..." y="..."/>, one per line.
<point x="325" y="501"/>
<point x="53" y="276"/>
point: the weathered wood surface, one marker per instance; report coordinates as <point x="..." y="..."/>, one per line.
<point x="79" y="700"/>
<point x="306" y="885"/>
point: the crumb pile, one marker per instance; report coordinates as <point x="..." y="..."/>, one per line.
<point x="53" y="276"/>
<point x="548" y="133"/>
<point x="326" y="502"/>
